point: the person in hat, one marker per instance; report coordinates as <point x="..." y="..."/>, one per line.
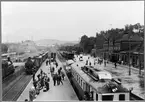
<point x="9" y="61"/>
<point x="32" y="93"/>
<point x="46" y="82"/>
<point x="55" y="78"/>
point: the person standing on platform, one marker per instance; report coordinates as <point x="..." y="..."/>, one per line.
<point x="35" y="83"/>
<point x="32" y="93"/>
<point x="41" y="72"/>
<point x="59" y="80"/>
<point x="59" y="70"/>
<point x="90" y="64"/>
<point x="87" y="62"/>
<point x="42" y="81"/>
<point x="56" y="64"/>
<point x="55" y="78"/>
<point x="33" y="77"/>
<point x="47" y="62"/>
<point x="38" y="76"/>
<point x="46" y="82"/>
<point x="62" y="74"/>
<point x="105" y="63"/>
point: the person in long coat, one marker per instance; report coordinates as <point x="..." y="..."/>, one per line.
<point x="32" y="93"/>
<point x="55" y="78"/>
<point x="47" y="62"/>
<point x="46" y="82"/>
<point x="59" y="80"/>
<point x="62" y="74"/>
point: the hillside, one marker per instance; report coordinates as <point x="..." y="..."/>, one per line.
<point x="49" y="42"/>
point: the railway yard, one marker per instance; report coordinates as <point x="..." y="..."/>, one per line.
<point x="16" y="86"/>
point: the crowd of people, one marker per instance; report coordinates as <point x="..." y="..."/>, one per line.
<point x="42" y="81"/>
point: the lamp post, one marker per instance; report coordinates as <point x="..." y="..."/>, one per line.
<point x="129" y="54"/>
<point x="129" y="58"/>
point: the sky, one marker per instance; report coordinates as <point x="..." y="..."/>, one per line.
<point x="66" y="21"/>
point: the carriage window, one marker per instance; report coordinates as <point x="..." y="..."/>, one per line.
<point x="107" y="97"/>
<point x="86" y="69"/>
<point x="91" y="71"/>
<point x="84" y="86"/>
<point x="121" y="97"/>
<point x="81" y="82"/>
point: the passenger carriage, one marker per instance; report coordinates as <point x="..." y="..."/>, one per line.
<point x="37" y="62"/>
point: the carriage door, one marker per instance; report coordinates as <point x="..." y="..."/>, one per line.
<point x="91" y="94"/>
<point x="87" y="87"/>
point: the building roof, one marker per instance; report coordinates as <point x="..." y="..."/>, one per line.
<point x="135" y="49"/>
<point x="134" y="37"/>
<point x="139" y="48"/>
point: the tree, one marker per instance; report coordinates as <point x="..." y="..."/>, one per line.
<point x="83" y="42"/>
<point x="4" y="48"/>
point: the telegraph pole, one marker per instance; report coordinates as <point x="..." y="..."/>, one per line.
<point x="129" y="58"/>
<point x="129" y="53"/>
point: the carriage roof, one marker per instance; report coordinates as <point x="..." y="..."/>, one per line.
<point x="99" y="86"/>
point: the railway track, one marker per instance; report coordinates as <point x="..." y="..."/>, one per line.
<point x="7" y="78"/>
<point x="15" y="91"/>
<point x="13" y="75"/>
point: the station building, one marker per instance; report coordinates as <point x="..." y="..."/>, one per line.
<point x="132" y="46"/>
<point x="125" y="49"/>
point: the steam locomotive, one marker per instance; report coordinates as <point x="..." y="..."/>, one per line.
<point x="7" y="68"/>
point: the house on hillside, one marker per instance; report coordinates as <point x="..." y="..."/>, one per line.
<point x="29" y="46"/>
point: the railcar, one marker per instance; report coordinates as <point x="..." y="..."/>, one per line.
<point x="44" y="56"/>
<point x="7" y="68"/>
<point x="67" y="55"/>
<point x="98" y="86"/>
<point x="53" y="57"/>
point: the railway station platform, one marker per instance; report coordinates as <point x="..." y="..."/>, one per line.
<point x="63" y="92"/>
